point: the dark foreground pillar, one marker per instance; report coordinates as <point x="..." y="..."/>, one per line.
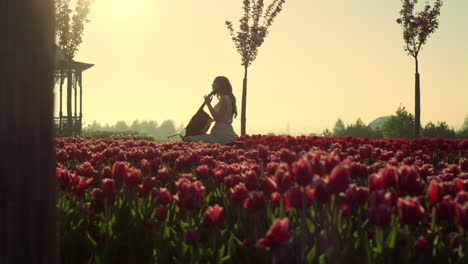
<point x="27" y="157"/>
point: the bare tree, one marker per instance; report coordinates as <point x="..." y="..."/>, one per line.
<point x="69" y="30"/>
<point x="251" y="36"/>
<point x="416" y="30"/>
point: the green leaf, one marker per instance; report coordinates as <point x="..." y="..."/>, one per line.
<point x="322" y="259"/>
<point x="311" y="227"/>
<point x="93" y="242"/>
<point x="311" y="255"/>
<point x="391" y="239"/>
<point x="221" y="251"/>
<point x="225" y="259"/>
<point x="97" y="260"/>
<point x="379" y="240"/>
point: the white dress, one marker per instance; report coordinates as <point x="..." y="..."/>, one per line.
<point x="222" y="131"/>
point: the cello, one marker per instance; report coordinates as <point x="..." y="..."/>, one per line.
<point x="199" y="123"/>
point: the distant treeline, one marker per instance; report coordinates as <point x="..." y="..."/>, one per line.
<point x="399" y="125"/>
<point x="151" y="128"/>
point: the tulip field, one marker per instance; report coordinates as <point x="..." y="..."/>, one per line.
<point x="276" y="200"/>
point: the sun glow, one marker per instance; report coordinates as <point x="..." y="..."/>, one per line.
<point x="123" y="10"/>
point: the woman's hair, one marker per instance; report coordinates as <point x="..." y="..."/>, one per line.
<point x="225" y="88"/>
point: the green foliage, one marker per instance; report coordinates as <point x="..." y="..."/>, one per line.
<point x="463" y="132"/>
<point x="440" y="130"/>
<point x="418" y="26"/>
<point x="400" y="125"/>
<point x="339" y="129"/>
<point x="252" y="33"/>
<point x="69" y="29"/>
<point x="327" y="133"/>
<point x="149" y="128"/>
<point x="359" y="129"/>
<point x="116" y="134"/>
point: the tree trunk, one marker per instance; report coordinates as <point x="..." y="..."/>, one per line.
<point x="417" y="104"/>
<point x="244" y="102"/>
<point x="28" y="231"/>
<point x="69" y="100"/>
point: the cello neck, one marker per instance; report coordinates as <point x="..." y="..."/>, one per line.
<point x="211" y="94"/>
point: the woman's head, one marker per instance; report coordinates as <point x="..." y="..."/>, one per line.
<point x="222" y="86"/>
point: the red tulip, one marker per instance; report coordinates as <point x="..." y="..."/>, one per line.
<point x="376" y="182"/>
<point x="108" y="186"/>
<point x="390" y="176"/>
<point x="214" y="215"/>
<point x="410" y="211"/>
<point x="322" y="193"/>
<point x="295" y="196"/>
<point x="191" y="236"/>
<point x="189" y="194"/>
<point x="144" y="166"/>
<point x="164" y="195"/>
<point x="380" y="215"/>
<point x="119" y="171"/>
<point x="97" y="194"/>
<point x="107" y="172"/>
<point x="283" y="180"/>
<point x="463" y="163"/>
<point x="339" y="179"/>
<point x="345" y="209"/>
<point x="133" y="178"/>
<point x="462" y="214"/>
<point x="275" y="199"/>
<point x="164" y="175"/>
<point x="446" y="208"/>
<point x="255" y="201"/>
<point x="262" y="152"/>
<point x="433" y="193"/>
<point x="420" y="243"/>
<point x="149" y="183"/>
<point x="239" y="193"/>
<point x="302" y="172"/>
<point x="287" y="156"/>
<point x="357" y="195"/>
<point x="277" y="235"/>
<point x="453" y="240"/>
<point x="358" y="170"/>
<point x="251" y="180"/>
<point x="161" y="213"/>
<point x="462" y="197"/>
<point x="408" y="179"/>
<point x="203" y="171"/>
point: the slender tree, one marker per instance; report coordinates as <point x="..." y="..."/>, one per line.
<point x="416" y="30"/>
<point x="69" y="30"/>
<point x="251" y="36"/>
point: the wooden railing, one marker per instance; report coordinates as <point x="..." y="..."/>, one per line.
<point x="62" y="128"/>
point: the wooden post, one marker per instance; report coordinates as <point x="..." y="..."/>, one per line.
<point x="62" y="78"/>
<point x="81" y="94"/>
<point x="28" y="230"/>
<point x="75" y="82"/>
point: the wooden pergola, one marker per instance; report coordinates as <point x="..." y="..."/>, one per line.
<point x="61" y="70"/>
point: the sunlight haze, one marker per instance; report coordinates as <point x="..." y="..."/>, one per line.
<point x="322" y="60"/>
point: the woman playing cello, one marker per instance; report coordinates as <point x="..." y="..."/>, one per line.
<point x="223" y="113"/>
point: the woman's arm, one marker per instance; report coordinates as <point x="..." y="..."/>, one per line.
<point x="218" y="115"/>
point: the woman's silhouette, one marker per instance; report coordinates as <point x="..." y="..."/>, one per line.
<point x="223" y="113"/>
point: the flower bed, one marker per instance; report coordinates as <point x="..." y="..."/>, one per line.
<point x="281" y="199"/>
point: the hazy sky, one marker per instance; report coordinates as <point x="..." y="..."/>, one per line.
<point x="322" y="60"/>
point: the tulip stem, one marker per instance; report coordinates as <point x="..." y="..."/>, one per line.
<point x="303" y="227"/>
<point x="281" y="212"/>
